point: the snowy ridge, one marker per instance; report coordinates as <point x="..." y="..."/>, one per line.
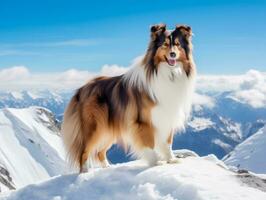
<point x="250" y="154"/>
<point x="194" y="178"/>
<point x="53" y="101"/>
<point x="30" y="145"/>
<point x="209" y="133"/>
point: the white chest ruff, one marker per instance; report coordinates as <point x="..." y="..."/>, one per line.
<point x="173" y="90"/>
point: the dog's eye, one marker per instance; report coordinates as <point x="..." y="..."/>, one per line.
<point x="165" y="44"/>
<point x="177" y="44"/>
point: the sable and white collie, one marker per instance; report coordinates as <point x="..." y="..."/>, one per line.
<point x="141" y="109"/>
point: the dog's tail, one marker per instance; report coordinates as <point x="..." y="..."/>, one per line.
<point x="72" y="133"/>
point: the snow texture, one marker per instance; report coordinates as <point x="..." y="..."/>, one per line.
<point x="194" y="178"/>
<point x="250" y="154"/>
<point x="30" y="148"/>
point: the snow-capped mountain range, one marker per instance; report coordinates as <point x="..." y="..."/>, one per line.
<point x="213" y="129"/>
<point x="53" y="101"/>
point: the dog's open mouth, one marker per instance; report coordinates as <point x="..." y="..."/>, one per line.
<point x="170" y="61"/>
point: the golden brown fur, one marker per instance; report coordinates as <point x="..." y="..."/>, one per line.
<point x="103" y="109"/>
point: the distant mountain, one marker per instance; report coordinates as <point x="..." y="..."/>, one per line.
<point x="228" y="106"/>
<point x="209" y="134"/>
<point x="56" y="102"/>
<point x="30" y="146"/>
<point x="217" y="129"/>
<point x="250" y="154"/>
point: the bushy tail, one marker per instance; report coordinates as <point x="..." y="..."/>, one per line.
<point x="72" y="133"/>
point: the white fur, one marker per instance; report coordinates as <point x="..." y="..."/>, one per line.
<point x="136" y="77"/>
<point x="173" y="91"/>
<point x="150" y="156"/>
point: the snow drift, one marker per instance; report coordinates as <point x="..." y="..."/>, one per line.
<point x="250" y="154"/>
<point x="194" y="178"/>
<point x="30" y="146"/>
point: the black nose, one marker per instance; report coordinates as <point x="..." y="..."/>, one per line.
<point x="172" y="54"/>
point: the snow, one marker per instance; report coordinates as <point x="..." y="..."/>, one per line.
<point x="194" y="178"/>
<point x="29" y="150"/>
<point x="17" y="95"/>
<point x="3" y="188"/>
<point x="250" y="154"/>
<point x="32" y="95"/>
<point x="199" y="123"/>
<point x="221" y="143"/>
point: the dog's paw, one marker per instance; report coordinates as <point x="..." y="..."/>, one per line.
<point x="106" y="165"/>
<point x="173" y="161"/>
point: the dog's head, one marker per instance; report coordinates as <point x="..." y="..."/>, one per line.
<point x="169" y="47"/>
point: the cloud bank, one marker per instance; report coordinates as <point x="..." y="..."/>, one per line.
<point x="248" y="88"/>
<point x="20" y="78"/>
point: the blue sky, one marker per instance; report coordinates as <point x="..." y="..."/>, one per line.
<point x="55" y="35"/>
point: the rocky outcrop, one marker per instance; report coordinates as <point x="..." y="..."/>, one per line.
<point x="6" y="179"/>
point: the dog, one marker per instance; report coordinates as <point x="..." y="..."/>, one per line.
<point x="142" y="108"/>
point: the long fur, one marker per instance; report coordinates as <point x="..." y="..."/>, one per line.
<point x="141" y="108"/>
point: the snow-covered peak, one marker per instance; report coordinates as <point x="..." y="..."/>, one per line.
<point x="30" y="146"/>
<point x="199" y="124"/>
<point x="52" y="100"/>
<point x="17" y="95"/>
<point x="250" y="154"/>
<point x="194" y="178"/>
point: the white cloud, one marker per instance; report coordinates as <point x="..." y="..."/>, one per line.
<point x="201" y="100"/>
<point x="253" y="97"/>
<point x="249" y="88"/>
<point x="216" y="83"/>
<point x="15" y="73"/>
<point x="74" y="75"/>
<point x="20" y="78"/>
<point x="113" y="70"/>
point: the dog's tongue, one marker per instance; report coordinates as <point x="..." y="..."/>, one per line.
<point x="171" y="62"/>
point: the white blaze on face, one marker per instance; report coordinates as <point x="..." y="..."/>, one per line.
<point x="172" y="60"/>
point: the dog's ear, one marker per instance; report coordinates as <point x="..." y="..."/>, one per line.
<point x="184" y="34"/>
<point x="157" y="30"/>
<point x="185" y="30"/>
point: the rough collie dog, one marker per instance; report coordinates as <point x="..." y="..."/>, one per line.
<point x="142" y="108"/>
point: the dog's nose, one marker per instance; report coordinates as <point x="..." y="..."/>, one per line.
<point x="172" y="54"/>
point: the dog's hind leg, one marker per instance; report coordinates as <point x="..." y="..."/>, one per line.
<point x="83" y="161"/>
<point x="89" y="144"/>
